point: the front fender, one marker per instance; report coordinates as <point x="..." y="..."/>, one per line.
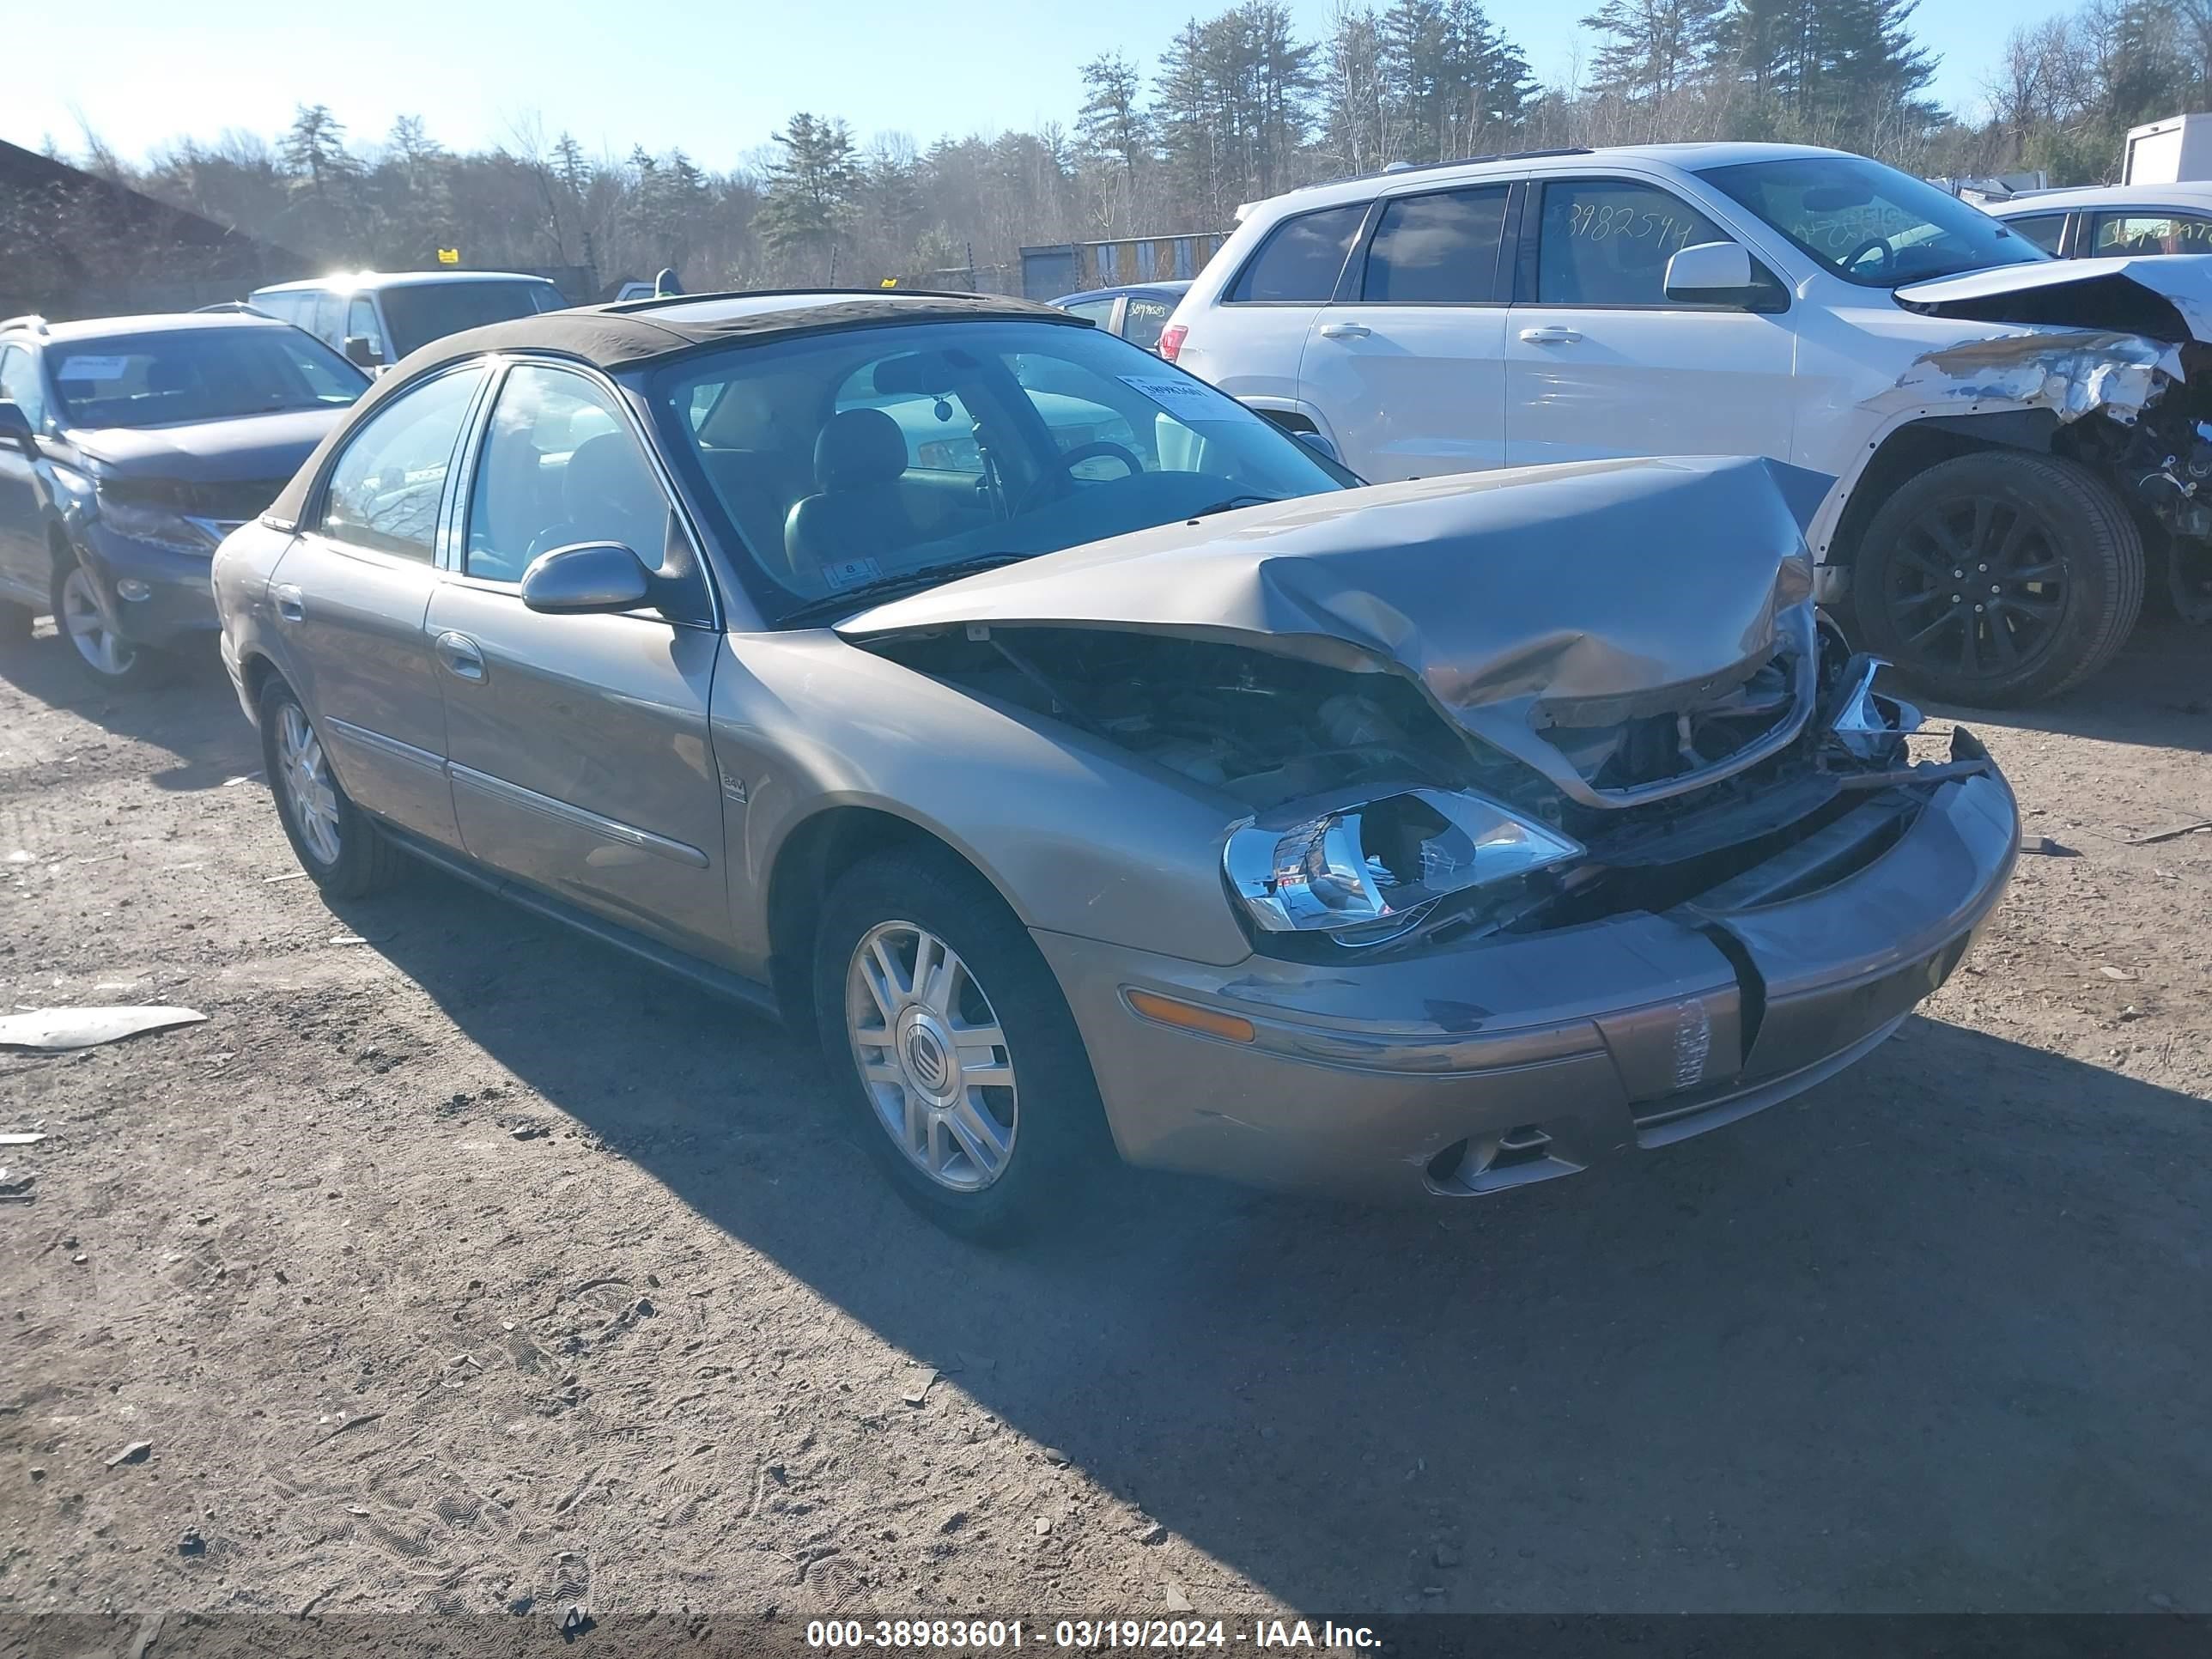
<point x="1077" y="837"/>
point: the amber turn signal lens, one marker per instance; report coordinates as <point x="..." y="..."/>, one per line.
<point x="1168" y="1012"/>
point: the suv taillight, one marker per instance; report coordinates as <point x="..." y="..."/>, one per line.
<point x="1171" y="339"/>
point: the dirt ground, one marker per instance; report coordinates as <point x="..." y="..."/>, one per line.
<point x="474" y="1267"/>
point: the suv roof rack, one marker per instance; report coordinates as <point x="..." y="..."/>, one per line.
<point x="29" y="319"/>
<point x="1399" y="169"/>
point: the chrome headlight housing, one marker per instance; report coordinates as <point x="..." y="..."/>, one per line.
<point x="1366" y="873"/>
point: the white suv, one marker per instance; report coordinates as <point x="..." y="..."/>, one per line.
<point x="2006" y="432"/>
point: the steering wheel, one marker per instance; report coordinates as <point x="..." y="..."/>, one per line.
<point x="1059" y="473"/>
<point x="1888" y="253"/>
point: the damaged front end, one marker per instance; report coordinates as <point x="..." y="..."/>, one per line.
<point x="1371" y="824"/>
<point x="1432" y="711"/>
<point x="2128" y="340"/>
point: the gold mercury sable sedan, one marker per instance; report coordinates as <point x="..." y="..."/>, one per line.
<point x="1098" y="768"/>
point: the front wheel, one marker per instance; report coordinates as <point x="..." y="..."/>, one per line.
<point x="335" y="842"/>
<point x="97" y="649"/>
<point x="1999" y="578"/>
<point x="947" y="1030"/>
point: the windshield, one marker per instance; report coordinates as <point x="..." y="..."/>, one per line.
<point x="197" y="374"/>
<point x="419" y="312"/>
<point x="868" y="460"/>
<point x="1871" y="224"/>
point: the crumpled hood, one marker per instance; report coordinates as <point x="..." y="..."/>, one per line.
<point x="249" y="447"/>
<point x="1635" y="583"/>
<point x="2167" y="297"/>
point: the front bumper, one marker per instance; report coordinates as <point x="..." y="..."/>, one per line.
<point x="178" y="602"/>
<point x="1510" y="1059"/>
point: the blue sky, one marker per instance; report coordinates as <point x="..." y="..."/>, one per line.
<point x="716" y="80"/>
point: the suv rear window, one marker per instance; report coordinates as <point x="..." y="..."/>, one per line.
<point x="1302" y="257"/>
<point x="1439" y="249"/>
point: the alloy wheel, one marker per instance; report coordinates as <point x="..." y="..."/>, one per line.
<point x="1975" y="587"/>
<point x="105" y="652"/>
<point x="931" y="1055"/>
<point x="307" y="784"/>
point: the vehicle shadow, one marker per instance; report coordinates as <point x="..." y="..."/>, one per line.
<point x="1930" y="1338"/>
<point x="192" y="713"/>
<point x="2157" y="692"/>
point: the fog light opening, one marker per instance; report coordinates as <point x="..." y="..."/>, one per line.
<point x="132" y="589"/>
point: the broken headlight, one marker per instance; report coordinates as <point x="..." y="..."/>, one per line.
<point x="1367" y="873"/>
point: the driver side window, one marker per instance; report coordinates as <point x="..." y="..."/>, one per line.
<point x="560" y="465"/>
<point x="1607" y="241"/>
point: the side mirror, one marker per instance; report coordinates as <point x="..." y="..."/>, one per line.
<point x="1711" y="273"/>
<point x="361" y="351"/>
<point x="586" y="579"/>
<point x="14" y="427"/>
<point x="1320" y="446"/>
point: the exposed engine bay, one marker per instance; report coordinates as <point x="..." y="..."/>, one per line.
<point x="1278" y="734"/>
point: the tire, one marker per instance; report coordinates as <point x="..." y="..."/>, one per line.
<point x="1999" y="578"/>
<point x="354" y="859"/>
<point x="1046" y="1131"/>
<point x="100" y="654"/>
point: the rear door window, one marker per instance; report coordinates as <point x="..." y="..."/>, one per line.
<point x="385" y="491"/>
<point x="1143" y="320"/>
<point x="1301" y="259"/>
<point x="1437" y="249"/>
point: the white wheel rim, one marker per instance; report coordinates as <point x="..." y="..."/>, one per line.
<point x="87" y="627"/>
<point x="306" y="779"/>
<point x="932" y="1056"/>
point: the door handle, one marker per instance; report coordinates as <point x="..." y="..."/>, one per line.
<point x="1549" y="335"/>
<point x="1345" y="330"/>
<point x="290" y="606"/>
<point x="461" y="656"/>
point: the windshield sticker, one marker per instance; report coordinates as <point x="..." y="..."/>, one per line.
<point x="853" y="573"/>
<point x="1186" y="400"/>
<point x="94" y="368"/>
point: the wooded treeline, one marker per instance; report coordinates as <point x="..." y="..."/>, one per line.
<point x="1237" y="105"/>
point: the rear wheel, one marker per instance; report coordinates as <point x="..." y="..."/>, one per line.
<point x="948" y="1033"/>
<point x="336" y="842"/>
<point x="1999" y="578"/>
<point x="93" y="642"/>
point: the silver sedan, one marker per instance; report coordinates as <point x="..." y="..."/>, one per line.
<point x="1096" y="767"/>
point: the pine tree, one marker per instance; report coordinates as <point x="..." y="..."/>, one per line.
<point x="810" y="190"/>
<point x="1111" y="124"/>
<point x="1653" y="48"/>
<point x="314" y="150"/>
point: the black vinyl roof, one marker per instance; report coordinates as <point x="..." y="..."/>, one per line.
<point x="640" y="330"/>
<point x="625" y="335"/>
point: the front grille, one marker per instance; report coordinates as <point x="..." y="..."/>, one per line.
<point x="1621" y="749"/>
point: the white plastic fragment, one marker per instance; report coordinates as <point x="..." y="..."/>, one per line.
<point x="88" y="1027"/>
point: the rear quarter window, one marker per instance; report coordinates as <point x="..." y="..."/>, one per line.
<point x="1301" y="259"/>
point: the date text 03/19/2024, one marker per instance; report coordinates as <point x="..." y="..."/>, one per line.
<point x="1089" y="1635"/>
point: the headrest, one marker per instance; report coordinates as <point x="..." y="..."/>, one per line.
<point x="858" y="447"/>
